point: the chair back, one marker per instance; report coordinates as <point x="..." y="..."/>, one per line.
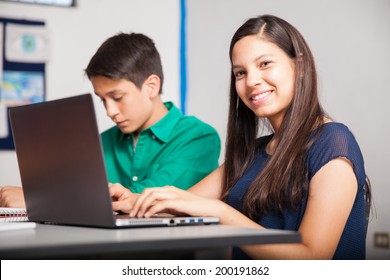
<point x="367" y="198"/>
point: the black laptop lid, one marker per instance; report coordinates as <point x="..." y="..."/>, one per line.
<point x="59" y="154"/>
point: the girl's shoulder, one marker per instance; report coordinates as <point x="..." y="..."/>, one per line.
<point x="331" y="125"/>
<point x="333" y="140"/>
<point x="333" y="134"/>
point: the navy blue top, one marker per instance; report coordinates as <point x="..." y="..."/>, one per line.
<point x="335" y="140"/>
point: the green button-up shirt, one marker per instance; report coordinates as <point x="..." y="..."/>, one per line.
<point x="177" y="150"/>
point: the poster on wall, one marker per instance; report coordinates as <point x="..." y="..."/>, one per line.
<point x="3" y="109"/>
<point x="21" y="88"/>
<point x="24" y="52"/>
<point x="1" y="49"/>
<point x="26" y="44"/>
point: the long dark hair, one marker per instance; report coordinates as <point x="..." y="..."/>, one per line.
<point x="132" y="56"/>
<point x="285" y="171"/>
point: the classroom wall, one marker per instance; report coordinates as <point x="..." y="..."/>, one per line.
<point x="350" y="40"/>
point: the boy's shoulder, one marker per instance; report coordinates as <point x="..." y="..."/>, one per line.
<point x="112" y="132"/>
<point x="195" y="124"/>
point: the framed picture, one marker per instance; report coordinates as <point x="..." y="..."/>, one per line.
<point x="60" y="3"/>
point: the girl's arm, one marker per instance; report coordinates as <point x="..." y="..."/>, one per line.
<point x="210" y="186"/>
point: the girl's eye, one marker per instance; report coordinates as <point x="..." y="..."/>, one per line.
<point x="265" y="64"/>
<point x="239" y="74"/>
<point x="117" y="98"/>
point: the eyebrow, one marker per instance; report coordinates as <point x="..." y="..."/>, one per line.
<point x="256" y="59"/>
<point x="110" y="93"/>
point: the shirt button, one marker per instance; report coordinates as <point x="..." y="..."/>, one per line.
<point x="153" y="137"/>
<point x="135" y="178"/>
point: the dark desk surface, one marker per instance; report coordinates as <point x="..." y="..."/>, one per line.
<point x="54" y="241"/>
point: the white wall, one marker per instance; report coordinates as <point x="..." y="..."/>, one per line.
<point x="349" y="38"/>
<point x="351" y="42"/>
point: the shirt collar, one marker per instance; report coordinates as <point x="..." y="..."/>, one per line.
<point x="163" y="128"/>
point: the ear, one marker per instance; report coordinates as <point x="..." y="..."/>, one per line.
<point x="152" y="86"/>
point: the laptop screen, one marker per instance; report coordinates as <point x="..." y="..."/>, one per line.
<point x="61" y="162"/>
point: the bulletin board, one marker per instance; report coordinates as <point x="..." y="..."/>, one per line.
<point x="24" y="47"/>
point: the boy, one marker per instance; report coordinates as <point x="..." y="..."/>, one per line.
<point x="152" y="144"/>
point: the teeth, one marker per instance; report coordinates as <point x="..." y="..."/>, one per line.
<point x="257" y="97"/>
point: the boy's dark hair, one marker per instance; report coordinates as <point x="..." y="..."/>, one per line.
<point x="133" y="57"/>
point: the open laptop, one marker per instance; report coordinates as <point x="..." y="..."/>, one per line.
<point x="62" y="167"/>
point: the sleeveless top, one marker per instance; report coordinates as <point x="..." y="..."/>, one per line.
<point x="335" y="140"/>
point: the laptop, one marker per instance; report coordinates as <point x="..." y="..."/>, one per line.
<point x="62" y="167"/>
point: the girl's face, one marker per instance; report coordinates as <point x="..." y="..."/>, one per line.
<point x="264" y="77"/>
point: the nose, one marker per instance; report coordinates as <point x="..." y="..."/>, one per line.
<point x="254" y="78"/>
<point x="111" y="109"/>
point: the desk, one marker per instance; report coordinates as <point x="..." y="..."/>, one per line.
<point x="64" y="242"/>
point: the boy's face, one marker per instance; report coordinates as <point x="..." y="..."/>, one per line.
<point x="128" y="106"/>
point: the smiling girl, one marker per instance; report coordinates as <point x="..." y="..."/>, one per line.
<point x="307" y="175"/>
